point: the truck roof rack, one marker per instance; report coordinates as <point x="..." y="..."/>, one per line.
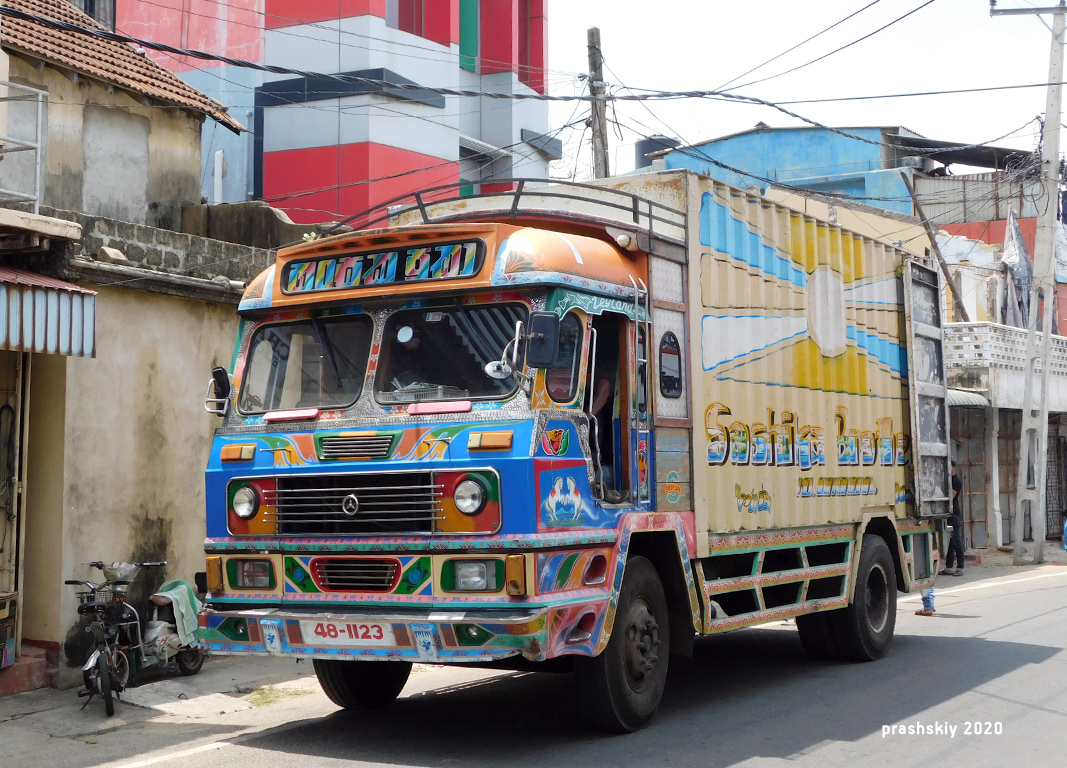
<point x="658" y="228"/>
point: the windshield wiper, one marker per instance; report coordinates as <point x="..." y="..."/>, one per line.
<point x="325" y="342"/>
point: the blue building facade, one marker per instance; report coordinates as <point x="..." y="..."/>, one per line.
<point x="812" y="158"/>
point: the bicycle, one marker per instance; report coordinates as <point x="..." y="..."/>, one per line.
<point x="119" y="650"/>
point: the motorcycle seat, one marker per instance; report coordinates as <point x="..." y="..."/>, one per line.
<point x="92" y="607"/>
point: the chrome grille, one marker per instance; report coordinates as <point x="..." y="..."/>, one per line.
<point x="386" y="504"/>
<point x="348" y="575"/>
<point x="355" y="447"/>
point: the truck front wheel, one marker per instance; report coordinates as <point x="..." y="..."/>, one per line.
<point x="621" y="689"/>
<point x="864" y="630"/>
<point x="362" y="684"/>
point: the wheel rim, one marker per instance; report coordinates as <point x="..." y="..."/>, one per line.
<point x="120" y="671"/>
<point x="641" y="645"/>
<point x="877" y="599"/>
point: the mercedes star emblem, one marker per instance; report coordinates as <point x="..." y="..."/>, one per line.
<point x="350" y="505"/>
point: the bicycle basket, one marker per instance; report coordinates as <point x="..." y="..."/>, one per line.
<point x="102" y="595"/>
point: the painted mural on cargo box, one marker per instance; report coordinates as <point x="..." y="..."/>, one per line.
<point x="805" y="369"/>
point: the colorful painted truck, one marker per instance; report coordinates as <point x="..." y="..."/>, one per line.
<point x="574" y="423"/>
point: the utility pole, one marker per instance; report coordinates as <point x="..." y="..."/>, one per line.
<point x="1033" y="442"/>
<point x="600" y="108"/>
<point x="931" y="232"/>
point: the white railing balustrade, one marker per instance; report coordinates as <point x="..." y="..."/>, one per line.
<point x="991" y="345"/>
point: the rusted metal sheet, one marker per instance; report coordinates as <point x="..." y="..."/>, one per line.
<point x="42" y="314"/>
<point x="977" y="197"/>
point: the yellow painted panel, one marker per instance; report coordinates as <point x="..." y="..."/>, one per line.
<point x="797" y="366"/>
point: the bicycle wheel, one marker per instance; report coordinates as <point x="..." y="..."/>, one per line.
<point x="104" y="680"/>
<point x="121" y="670"/>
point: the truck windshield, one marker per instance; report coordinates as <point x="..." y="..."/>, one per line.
<point x="441" y="353"/>
<point x="317" y="363"/>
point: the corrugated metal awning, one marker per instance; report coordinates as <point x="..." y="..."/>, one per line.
<point x="42" y="314"/>
<point x="962" y="399"/>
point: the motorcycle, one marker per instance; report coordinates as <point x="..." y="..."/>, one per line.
<point x="120" y="649"/>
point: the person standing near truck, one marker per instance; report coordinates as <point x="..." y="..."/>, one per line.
<point x="955" y="544"/>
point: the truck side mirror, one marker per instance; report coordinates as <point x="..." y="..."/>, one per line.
<point x="219" y="386"/>
<point x="542" y="341"/>
<point x="222" y="382"/>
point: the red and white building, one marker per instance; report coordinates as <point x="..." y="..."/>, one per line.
<point x="322" y="149"/>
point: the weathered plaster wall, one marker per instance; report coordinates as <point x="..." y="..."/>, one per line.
<point x="46" y="544"/>
<point x="135" y="443"/>
<point x="97" y="141"/>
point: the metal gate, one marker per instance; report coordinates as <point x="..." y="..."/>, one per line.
<point x="927" y="389"/>
<point x="1055" y="486"/>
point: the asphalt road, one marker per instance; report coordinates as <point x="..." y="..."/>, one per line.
<point x="983" y="682"/>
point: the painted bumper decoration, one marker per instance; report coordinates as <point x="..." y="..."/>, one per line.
<point x="420" y="636"/>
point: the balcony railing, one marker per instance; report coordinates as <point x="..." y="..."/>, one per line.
<point x="21" y="131"/>
<point x="991" y="345"/>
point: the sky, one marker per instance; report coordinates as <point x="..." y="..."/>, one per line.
<point x="676" y="45"/>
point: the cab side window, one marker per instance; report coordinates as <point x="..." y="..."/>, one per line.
<point x="561" y="380"/>
<point x="670" y="366"/>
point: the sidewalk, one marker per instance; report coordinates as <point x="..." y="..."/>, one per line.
<point x="1054" y="554"/>
<point x="221" y="686"/>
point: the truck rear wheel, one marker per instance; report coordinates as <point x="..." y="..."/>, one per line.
<point x="817" y="635"/>
<point x="864" y="630"/>
<point x="362" y="684"/>
<point x="621" y="689"/>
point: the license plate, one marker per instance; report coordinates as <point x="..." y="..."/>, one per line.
<point x="357" y="633"/>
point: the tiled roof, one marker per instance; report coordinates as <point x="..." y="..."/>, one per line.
<point x="110" y="62"/>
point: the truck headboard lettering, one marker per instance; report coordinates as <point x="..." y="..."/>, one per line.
<point x="414" y="264"/>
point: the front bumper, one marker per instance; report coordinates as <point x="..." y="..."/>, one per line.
<point x="428" y="636"/>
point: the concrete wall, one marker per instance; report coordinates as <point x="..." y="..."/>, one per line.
<point x="234" y="87"/>
<point x="118" y="454"/>
<point x="166" y="250"/>
<point x="100" y="144"/>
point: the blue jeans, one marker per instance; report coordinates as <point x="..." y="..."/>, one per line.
<point x="928" y="598"/>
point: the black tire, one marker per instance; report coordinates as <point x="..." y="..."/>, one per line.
<point x="366" y="685"/>
<point x="90" y="677"/>
<point x="817" y="635"/>
<point x="104" y="679"/>
<point x="621" y="689"/>
<point x="864" y="630"/>
<point x="190" y="660"/>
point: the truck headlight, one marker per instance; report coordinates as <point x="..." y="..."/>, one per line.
<point x="251" y="573"/>
<point x="245" y="502"/>
<point x="474" y="576"/>
<point x="469" y="497"/>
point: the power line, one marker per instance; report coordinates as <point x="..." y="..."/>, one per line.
<point x="340" y="32"/>
<point x="920" y="93"/>
<point x="645" y="95"/>
<point x="803" y="42"/>
<point x="843" y="47"/>
<point x="401" y="174"/>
